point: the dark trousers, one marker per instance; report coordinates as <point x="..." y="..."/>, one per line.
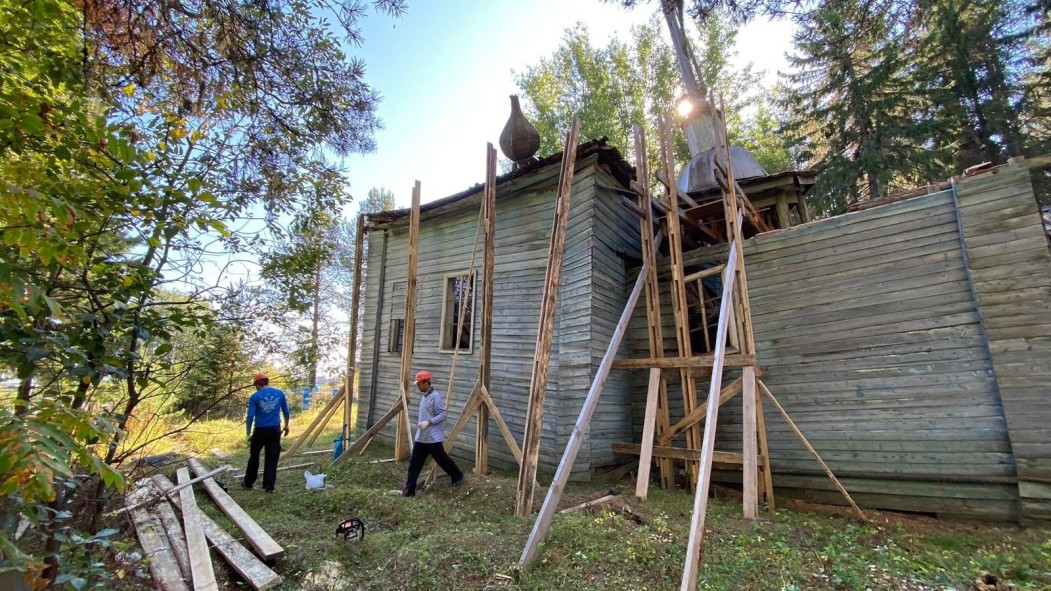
<point x="269" y="439"/>
<point x="420" y="451"/>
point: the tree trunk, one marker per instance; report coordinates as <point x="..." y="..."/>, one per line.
<point x="315" y="320"/>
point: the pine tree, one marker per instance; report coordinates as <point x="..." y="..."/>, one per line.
<point x="972" y="64"/>
<point x="851" y="109"/>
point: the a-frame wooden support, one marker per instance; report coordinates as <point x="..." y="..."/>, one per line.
<point x="678" y="291"/>
<point x="400" y="408"/>
<point x="657" y="417"/>
<point x="480" y="401"/>
<point x="352" y="338"/>
<point x="565" y="466"/>
<point x="545" y="332"/>
<point x="485" y="354"/>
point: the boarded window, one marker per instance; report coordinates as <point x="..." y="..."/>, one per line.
<point x="459" y="294"/>
<point x="396" y="335"/>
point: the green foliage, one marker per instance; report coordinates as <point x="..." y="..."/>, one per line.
<point x="35" y="449"/>
<point x="888" y="96"/>
<point x="123" y="174"/>
<point x="851" y="111"/>
<point x="613" y="87"/>
<point x="609" y="89"/>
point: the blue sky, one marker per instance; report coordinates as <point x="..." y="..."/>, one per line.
<point x="445" y="73"/>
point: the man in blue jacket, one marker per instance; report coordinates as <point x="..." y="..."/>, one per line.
<point x="265" y="408"/>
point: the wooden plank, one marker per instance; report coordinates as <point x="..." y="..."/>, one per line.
<point x="565" y="465"/>
<point x="649" y="423"/>
<point x="589" y="504"/>
<point x="722" y="458"/>
<point x="163" y="567"/>
<point x="200" y="559"/>
<point x="154" y="498"/>
<point x="404" y="435"/>
<point x="264" y="545"/>
<point x="749" y="486"/>
<point x="255" y="573"/>
<point x="176" y="538"/>
<point x="360" y="443"/>
<point x="700" y="500"/>
<point x="545" y="331"/>
<point x="696" y="361"/>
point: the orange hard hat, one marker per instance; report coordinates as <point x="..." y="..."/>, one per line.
<point x="260" y="377"/>
<point x="423" y="376"/>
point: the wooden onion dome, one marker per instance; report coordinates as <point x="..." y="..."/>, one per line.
<point x="519" y="140"/>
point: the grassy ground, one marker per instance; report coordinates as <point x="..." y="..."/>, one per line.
<point x="468" y="538"/>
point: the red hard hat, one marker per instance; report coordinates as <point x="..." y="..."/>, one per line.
<point x="260" y="377"/>
<point x="423" y="376"/>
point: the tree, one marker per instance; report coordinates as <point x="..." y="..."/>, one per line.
<point x="614" y="87"/>
<point x="973" y="69"/>
<point x="138" y="142"/>
<point x="851" y="109"/>
<point x="738" y="11"/>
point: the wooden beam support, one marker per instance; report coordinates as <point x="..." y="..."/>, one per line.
<point x="749" y="489"/>
<point x="696" y="362"/>
<point x="722" y="458"/>
<point x="565" y="465"/>
<point x="649" y="423"/>
<point x="485" y="353"/>
<point x="545" y="332"/>
<point x="252" y="570"/>
<point x="264" y="545"/>
<point x="508" y="437"/>
<point x="302" y="439"/>
<point x="680" y="304"/>
<point x="360" y="443"/>
<point x="700" y="499"/>
<point x="698" y="414"/>
<point x="200" y="558"/>
<point x="813" y="452"/>
<point x="352" y="340"/>
<point x="401" y="451"/>
<point x="655" y="325"/>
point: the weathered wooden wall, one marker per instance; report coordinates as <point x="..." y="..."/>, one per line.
<point x="870" y="328"/>
<point x="524" y="212"/>
<point x="1010" y="269"/>
<point x="616" y="234"/>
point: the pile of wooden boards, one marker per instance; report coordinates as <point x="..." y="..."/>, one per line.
<point x="178" y="551"/>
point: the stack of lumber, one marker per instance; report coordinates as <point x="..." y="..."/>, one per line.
<point x="179" y="550"/>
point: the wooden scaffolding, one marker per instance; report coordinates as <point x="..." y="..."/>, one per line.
<point x="733" y="346"/>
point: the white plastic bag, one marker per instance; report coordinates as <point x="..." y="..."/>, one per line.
<point x="314" y="480"/>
